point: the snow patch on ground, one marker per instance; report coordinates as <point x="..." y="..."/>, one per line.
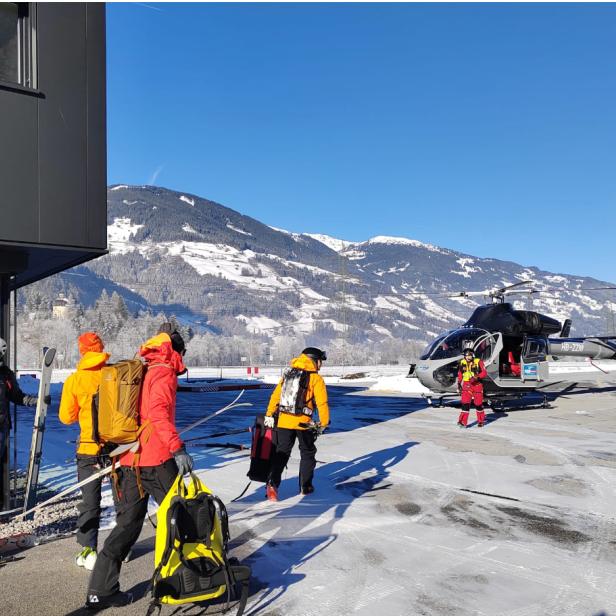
<point x="331" y="242"/>
<point x="188" y="200"/>
<point x="188" y="229"/>
<point x="119" y="234"/>
<point x="230" y="226"/>
<point x="258" y="323"/>
<point x="403" y="241"/>
<point x="400" y="383"/>
<point x="466" y="265"/>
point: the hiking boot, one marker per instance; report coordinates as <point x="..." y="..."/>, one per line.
<point x="480" y="424"/>
<point x="96" y="602"/>
<point x="86" y="558"/>
<point x="271" y="493"/>
<point x="309" y="489"/>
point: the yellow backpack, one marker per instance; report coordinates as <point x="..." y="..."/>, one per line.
<point x="115" y="408"/>
<point x="191" y="550"/>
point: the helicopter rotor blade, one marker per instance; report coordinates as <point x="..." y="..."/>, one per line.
<point x="513" y="286"/>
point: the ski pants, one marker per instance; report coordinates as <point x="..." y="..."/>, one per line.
<point x="284" y="446"/>
<point x="131" y="510"/>
<point x="472" y="392"/>
<point x="89" y="508"/>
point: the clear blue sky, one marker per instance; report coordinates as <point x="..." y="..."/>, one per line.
<point x="489" y="129"/>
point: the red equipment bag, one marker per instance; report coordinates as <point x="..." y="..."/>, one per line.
<point x="262" y="450"/>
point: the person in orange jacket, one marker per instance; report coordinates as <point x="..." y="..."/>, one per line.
<point x="293" y="402"/>
<point x="161" y="456"/>
<point x="471" y="372"/>
<point x="76" y="405"/>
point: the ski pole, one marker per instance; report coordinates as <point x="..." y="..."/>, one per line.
<point x="123" y="449"/>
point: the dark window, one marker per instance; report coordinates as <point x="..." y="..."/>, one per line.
<point x="455" y="343"/>
<point x="9" y="42"/>
<point x="18" y="44"/>
<point x="535" y="349"/>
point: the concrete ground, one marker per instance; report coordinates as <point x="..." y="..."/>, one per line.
<point x="411" y="516"/>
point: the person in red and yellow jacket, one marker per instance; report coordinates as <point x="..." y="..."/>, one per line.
<point x="296" y="420"/>
<point x="76" y="405"/>
<point x="471" y="371"/>
<point x="161" y="456"/>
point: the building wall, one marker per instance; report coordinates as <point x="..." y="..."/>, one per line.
<point x="53" y="155"/>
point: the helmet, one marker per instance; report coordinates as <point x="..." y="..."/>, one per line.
<point x="2" y="350"/>
<point x="315" y="353"/>
<point x="177" y="342"/>
<point x="468" y="349"/>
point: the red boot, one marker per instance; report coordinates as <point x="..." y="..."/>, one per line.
<point x="481" y="418"/>
<point x="462" y="419"/>
<point x="271" y="493"/>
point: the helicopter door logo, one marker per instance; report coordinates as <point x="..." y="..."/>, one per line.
<point x="530" y="371"/>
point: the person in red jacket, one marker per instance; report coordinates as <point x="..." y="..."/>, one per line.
<point x="471" y="371"/>
<point x="150" y="472"/>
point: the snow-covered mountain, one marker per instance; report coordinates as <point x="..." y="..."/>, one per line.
<point x="210" y="264"/>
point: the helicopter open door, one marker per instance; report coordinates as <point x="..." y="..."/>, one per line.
<point x="488" y="348"/>
<point x="534" y="352"/>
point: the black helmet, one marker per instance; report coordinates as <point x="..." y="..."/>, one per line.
<point x="315" y="353"/>
<point x="177" y="342"/>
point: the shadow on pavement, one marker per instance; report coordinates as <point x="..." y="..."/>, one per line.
<point x="337" y="484"/>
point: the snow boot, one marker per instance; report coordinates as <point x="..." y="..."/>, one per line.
<point x="102" y="602"/>
<point x="481" y="418"/>
<point x="86" y="558"/>
<point x="271" y="492"/>
<point x="462" y="419"/>
<point x="307" y="489"/>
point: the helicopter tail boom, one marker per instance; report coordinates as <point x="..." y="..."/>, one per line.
<point x="595" y="348"/>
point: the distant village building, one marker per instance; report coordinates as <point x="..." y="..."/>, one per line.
<point x="62" y="307"/>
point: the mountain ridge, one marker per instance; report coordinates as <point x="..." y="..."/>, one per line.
<point x="228" y="272"/>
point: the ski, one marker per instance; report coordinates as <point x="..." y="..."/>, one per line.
<point x="36" y="449"/>
<point x="120" y="450"/>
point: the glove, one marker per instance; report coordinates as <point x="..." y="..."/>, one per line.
<point x="317" y="428"/>
<point x="269" y="421"/>
<point x="30" y="400"/>
<point x="47" y="399"/>
<point x="183" y="460"/>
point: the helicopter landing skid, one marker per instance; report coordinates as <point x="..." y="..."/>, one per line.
<point x="435" y="401"/>
<point x="501" y="405"/>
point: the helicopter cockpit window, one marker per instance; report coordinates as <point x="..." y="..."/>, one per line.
<point x="454" y="343"/>
<point x="428" y="350"/>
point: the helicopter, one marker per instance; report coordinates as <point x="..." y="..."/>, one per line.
<point x="523" y="351"/>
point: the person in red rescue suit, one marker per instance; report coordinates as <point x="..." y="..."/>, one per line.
<point x="161" y="456"/>
<point x="470" y="373"/>
<point x="76" y="406"/>
<point x="301" y="427"/>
